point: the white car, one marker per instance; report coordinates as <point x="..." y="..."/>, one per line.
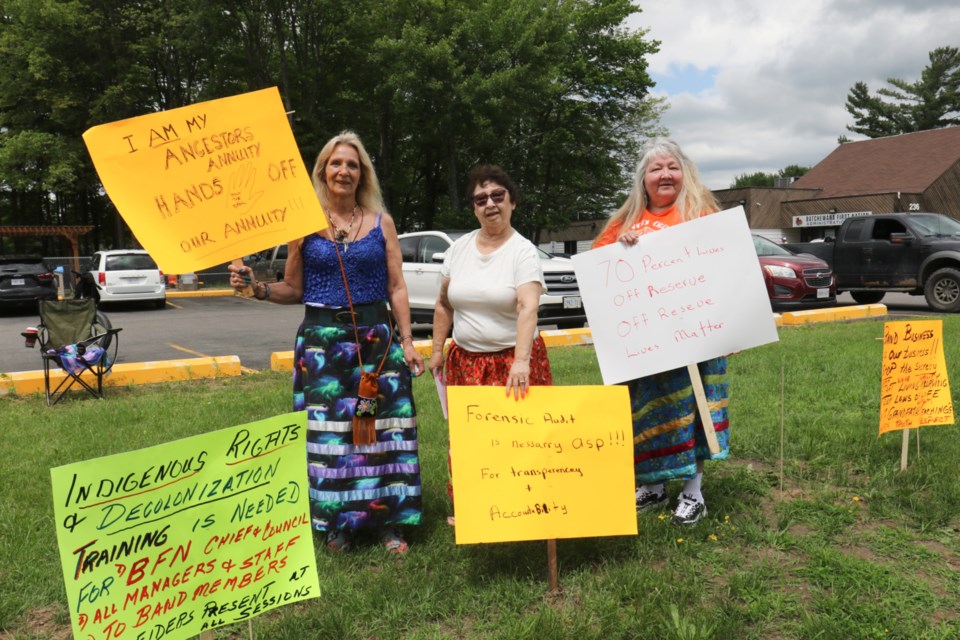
<point x="423" y="253"/>
<point x="127" y="275"/>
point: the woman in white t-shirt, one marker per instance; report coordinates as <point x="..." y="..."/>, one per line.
<point x="489" y="295"/>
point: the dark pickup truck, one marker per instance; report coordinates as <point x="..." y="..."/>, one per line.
<point x="915" y="253"/>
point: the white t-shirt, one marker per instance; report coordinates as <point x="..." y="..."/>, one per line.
<point x="483" y="290"/>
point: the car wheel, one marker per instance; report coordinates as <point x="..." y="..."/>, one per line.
<point x="867" y="297"/>
<point x="161" y="304"/>
<point x="942" y="290"/>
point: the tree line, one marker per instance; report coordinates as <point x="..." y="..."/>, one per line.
<point x="555" y="91"/>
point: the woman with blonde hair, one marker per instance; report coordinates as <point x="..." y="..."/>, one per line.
<point x="353" y="356"/>
<point x="668" y="436"/>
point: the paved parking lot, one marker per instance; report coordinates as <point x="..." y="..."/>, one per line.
<point x="229" y="325"/>
<point x="187" y="328"/>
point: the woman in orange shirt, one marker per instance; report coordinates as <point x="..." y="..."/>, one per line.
<point x="667" y="430"/>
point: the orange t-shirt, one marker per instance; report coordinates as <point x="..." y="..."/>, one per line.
<point x="646" y="223"/>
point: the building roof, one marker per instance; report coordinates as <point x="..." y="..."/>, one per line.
<point x="908" y="163"/>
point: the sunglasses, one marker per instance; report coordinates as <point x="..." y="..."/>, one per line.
<point x="497" y="195"/>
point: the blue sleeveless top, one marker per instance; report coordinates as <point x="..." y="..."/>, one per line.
<point x="365" y="262"/>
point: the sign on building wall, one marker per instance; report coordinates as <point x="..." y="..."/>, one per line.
<point x="827" y="219"/>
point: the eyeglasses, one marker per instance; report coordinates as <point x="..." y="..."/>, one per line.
<point x="497" y="195"/>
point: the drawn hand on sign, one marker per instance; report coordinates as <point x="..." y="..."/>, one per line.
<point x="242" y="184"/>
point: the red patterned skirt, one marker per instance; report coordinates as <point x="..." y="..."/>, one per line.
<point x="476" y="369"/>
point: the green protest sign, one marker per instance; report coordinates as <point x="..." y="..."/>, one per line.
<point x="168" y="541"/>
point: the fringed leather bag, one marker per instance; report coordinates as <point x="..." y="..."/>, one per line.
<point x="368" y="393"/>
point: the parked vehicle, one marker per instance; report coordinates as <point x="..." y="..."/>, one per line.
<point x="423" y="253"/>
<point x="127" y="275"/>
<point x="25" y="280"/>
<point x="794" y="281"/>
<point x="914" y="253"/>
<point x="270" y="264"/>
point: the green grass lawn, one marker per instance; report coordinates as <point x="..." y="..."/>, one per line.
<point x="842" y="545"/>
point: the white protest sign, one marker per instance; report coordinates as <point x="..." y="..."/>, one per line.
<point x="682" y="295"/>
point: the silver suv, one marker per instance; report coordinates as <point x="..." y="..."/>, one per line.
<point x="423" y="253"/>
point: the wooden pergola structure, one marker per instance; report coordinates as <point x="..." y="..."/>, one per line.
<point x="71" y="232"/>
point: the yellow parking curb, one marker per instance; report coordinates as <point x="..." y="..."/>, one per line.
<point x="834" y="314"/>
<point x="201" y="293"/>
<point x="283" y="360"/>
<point x="229" y="366"/>
<point x="132" y="373"/>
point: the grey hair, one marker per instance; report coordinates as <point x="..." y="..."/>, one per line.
<point x="693" y="200"/>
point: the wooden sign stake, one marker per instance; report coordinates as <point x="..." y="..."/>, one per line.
<point x="703" y="408"/>
<point x="782" y="438"/>
<point x="903" y="449"/>
<point x="552" y="565"/>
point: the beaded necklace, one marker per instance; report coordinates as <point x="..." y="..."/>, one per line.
<point x="342" y="235"/>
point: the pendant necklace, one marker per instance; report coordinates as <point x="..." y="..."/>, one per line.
<point x="343" y="235"/>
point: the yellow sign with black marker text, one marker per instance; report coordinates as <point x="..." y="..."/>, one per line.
<point x="205" y="184"/>
<point x="556" y="464"/>
<point x="914" y="388"/>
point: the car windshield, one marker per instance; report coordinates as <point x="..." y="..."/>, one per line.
<point x="935" y="225"/>
<point x="765" y="247"/>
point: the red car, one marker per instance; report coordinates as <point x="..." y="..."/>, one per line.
<point x="794" y="280"/>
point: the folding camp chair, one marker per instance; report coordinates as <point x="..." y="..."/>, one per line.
<point x="73" y="339"/>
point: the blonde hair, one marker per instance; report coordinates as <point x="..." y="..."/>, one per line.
<point x="693" y="201"/>
<point x="368" y="191"/>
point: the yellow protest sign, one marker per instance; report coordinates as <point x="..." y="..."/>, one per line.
<point x="168" y="541"/>
<point x="557" y="464"/>
<point x="915" y="390"/>
<point x="205" y="184"/>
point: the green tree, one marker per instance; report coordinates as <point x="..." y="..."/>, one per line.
<point x="764" y="179"/>
<point x="931" y="102"/>
<point x="66" y="66"/>
<point x="553" y="90"/>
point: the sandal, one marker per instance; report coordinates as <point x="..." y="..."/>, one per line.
<point x="338" y="540"/>
<point x="392" y="540"/>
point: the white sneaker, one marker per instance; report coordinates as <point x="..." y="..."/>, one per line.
<point x="689" y="510"/>
<point x="647" y="499"/>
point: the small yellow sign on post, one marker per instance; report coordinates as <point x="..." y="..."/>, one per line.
<point x="557" y="464"/>
<point x="179" y="538"/>
<point x="915" y="390"/>
<point x="204" y="184"/>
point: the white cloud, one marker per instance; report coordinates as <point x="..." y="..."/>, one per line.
<point x="781" y="72"/>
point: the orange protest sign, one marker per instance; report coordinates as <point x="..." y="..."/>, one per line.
<point x="557" y="464"/>
<point x="204" y="184"/>
<point x="915" y="391"/>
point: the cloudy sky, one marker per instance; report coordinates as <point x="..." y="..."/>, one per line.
<point x="757" y="85"/>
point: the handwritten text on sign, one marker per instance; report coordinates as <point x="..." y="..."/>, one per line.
<point x="557" y="464"/>
<point x="204" y="184"/>
<point x="914" y="389"/>
<point x="681" y="295"/>
<point x="168" y="541"/>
